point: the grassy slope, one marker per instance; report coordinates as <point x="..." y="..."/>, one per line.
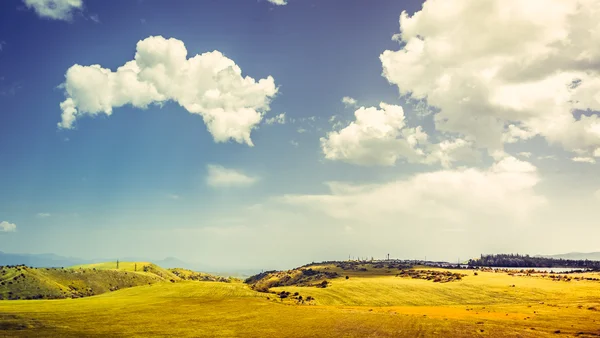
<point x="186" y="274"/>
<point x="131" y="266"/>
<point x="24" y="283"/>
<point x="361" y="306"/>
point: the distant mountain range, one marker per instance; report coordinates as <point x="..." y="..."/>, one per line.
<point x="592" y="256"/>
<point x="52" y="260"/>
<point x="40" y="260"/>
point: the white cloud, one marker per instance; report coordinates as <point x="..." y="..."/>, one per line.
<point x="453" y="196"/>
<point x="514" y="134"/>
<point x="547" y="157"/>
<point x="219" y="176"/>
<point x="173" y="196"/>
<point x="278" y="2"/>
<point x="7" y="227"/>
<point x="525" y="154"/>
<point x="55" y="9"/>
<point x="348" y="101"/>
<point x="584" y="160"/>
<point x="208" y="84"/>
<point x="374" y="138"/>
<point x="43" y="215"/>
<point x="294" y="143"/>
<point x="504" y="70"/>
<point x="381" y="137"/>
<point x="279" y="119"/>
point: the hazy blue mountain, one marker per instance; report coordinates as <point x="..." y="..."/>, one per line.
<point x="593" y="256"/>
<point x="52" y="260"/>
<point x="40" y="260"/>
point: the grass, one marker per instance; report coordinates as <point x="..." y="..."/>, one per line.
<point x="21" y="282"/>
<point x="365" y="305"/>
<point x="123" y="266"/>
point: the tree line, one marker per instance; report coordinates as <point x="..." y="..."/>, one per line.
<point x="526" y="261"/>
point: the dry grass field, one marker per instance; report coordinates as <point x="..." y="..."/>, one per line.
<point x="374" y="303"/>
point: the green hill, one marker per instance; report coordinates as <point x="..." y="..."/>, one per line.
<point x="22" y="282"/>
<point x="371" y="303"/>
<point x="132" y="267"/>
<point x="186" y="274"/>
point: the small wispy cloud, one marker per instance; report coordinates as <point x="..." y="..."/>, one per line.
<point x="43" y="215"/>
<point x="525" y="154"/>
<point x="173" y="196"/>
<point x="278" y="2"/>
<point x="11" y="89"/>
<point x="7" y="227"/>
<point x="584" y="160"/>
<point x="219" y="176"/>
<point x="349" y="101"/>
<point x="547" y="157"/>
<point x="279" y="119"/>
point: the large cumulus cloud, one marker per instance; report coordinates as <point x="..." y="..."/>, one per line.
<point x="504" y="70"/>
<point x="208" y="84"/>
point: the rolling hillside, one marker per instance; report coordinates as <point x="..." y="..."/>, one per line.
<point x="371" y="303"/>
<point x="22" y="282"/>
<point x="132" y="267"/>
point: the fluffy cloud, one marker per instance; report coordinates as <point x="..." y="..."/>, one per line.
<point x="208" y="84"/>
<point x="219" y="176"/>
<point x="279" y="119"/>
<point x="54" y="9"/>
<point x="381" y="137"/>
<point x="348" y="101"/>
<point x="455" y="196"/>
<point x="504" y="70"/>
<point x="278" y="2"/>
<point x="7" y="227"/>
<point x="375" y="138"/>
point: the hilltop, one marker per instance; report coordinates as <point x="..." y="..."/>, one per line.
<point x="145" y="267"/>
<point x="320" y="274"/>
<point x="24" y="282"/>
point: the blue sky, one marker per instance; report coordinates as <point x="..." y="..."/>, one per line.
<point x="137" y="182"/>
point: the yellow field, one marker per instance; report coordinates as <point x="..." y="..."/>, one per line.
<point x="361" y="306"/>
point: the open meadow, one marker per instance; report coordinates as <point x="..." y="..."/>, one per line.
<point x="372" y="303"/>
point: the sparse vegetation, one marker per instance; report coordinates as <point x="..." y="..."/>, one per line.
<point x="403" y="302"/>
<point x="185" y="274"/>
